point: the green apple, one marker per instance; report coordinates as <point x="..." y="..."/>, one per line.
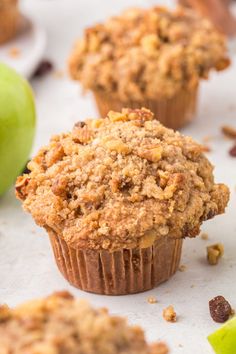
<point x="17" y="125"/>
<point x="223" y="340"/>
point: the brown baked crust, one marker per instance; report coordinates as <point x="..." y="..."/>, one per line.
<point x="148" y="53"/>
<point x="59" y="324"/>
<point x="121" y="182"/>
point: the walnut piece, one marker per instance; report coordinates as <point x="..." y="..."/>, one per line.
<point x="214" y="253"/>
<point x="169" y="314"/>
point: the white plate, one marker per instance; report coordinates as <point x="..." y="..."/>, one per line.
<point x="30" y="43"/>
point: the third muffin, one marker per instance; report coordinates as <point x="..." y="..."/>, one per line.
<point x="152" y="58"/>
<point x="117" y="196"/>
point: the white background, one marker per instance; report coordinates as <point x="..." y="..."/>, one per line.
<point x="27" y="268"/>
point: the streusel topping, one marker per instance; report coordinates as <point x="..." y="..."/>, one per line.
<point x="148" y="53"/>
<point x="121" y="182"/>
<point x="59" y="324"/>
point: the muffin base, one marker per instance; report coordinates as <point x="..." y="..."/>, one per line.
<point x="174" y="112"/>
<point x="9" y="22"/>
<point x="122" y="272"/>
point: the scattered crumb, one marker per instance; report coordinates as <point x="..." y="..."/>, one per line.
<point x="192" y="286"/>
<point x="182" y="268"/>
<point x="169" y="314"/>
<point x="229" y="131"/>
<point x="214" y="253"/>
<point x="204" y="236"/>
<point x="232" y="107"/>
<point x="14" y="52"/>
<point x="180" y="345"/>
<point x="207" y="138"/>
<point x="151" y="300"/>
<point x="58" y="74"/>
<point x="232" y="312"/>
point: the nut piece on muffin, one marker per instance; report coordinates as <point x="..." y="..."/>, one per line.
<point x="117" y="196"/>
<point x="9" y="19"/>
<point x="60" y="324"/>
<point x="153" y="58"/>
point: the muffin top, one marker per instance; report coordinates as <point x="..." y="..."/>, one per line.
<point x="60" y="324"/>
<point x="121" y="182"/>
<point x="145" y="53"/>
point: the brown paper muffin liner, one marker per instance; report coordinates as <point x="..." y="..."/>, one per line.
<point x="117" y="273"/>
<point x="174" y="112"/>
<point x="9" y="21"/>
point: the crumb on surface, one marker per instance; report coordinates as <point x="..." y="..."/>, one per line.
<point x="169" y="314"/>
<point x="14" y="52"/>
<point x="204" y="236"/>
<point x="152" y="300"/>
<point x="214" y="253"/>
<point x="58" y="74"/>
<point x="182" y="268"/>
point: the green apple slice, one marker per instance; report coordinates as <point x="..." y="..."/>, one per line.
<point x="17" y="125"/>
<point x="223" y="340"/>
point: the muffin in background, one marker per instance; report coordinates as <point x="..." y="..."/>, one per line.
<point x="117" y="196"/>
<point x="61" y="324"/>
<point x="9" y="19"/>
<point x="153" y="58"/>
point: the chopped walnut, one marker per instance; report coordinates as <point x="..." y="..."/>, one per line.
<point x="214" y="253"/>
<point x="153" y="154"/>
<point x="20" y="187"/>
<point x="169" y="314"/>
<point x="54" y="155"/>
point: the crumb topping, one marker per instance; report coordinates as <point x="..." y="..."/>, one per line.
<point x="121" y="182"/>
<point x="60" y="324"/>
<point x="148" y="53"/>
<point x="214" y="253"/>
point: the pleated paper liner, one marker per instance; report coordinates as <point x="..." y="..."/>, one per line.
<point x="9" y="21"/>
<point x="120" y="272"/>
<point x="174" y="112"/>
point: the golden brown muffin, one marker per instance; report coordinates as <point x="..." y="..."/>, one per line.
<point x="117" y="196"/>
<point x="60" y="324"/>
<point x="9" y="19"/>
<point x="152" y="58"/>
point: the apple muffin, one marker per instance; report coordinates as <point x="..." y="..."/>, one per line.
<point x="9" y="19"/>
<point x="153" y="58"/>
<point x="60" y="324"/>
<point x="117" y="196"/>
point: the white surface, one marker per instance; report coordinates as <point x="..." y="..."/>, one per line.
<point x="31" y="45"/>
<point x="27" y="268"/>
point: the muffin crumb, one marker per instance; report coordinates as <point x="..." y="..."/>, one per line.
<point x="14" y="52"/>
<point x="182" y="268"/>
<point x="214" y="253"/>
<point x="169" y="314"/>
<point x="152" y="300"/>
<point x="204" y="236"/>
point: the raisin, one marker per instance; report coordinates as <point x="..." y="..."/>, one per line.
<point x="232" y="151"/>
<point x="44" y="67"/>
<point x="220" y="309"/>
